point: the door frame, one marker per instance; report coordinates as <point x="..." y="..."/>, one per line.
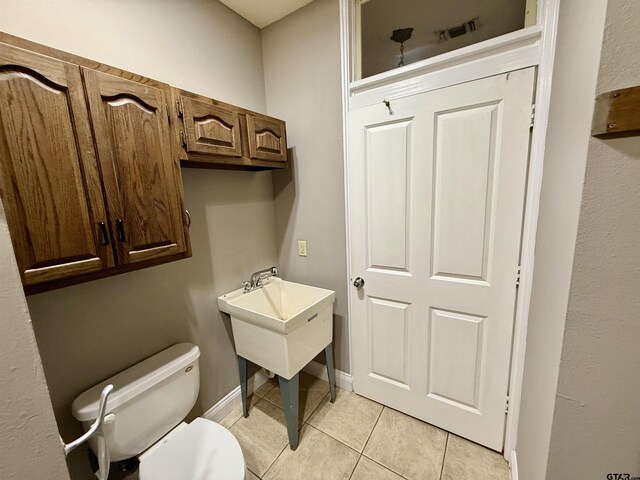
<point x="531" y="46"/>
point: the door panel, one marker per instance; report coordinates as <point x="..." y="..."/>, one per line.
<point x="132" y="136"/>
<point x="464" y="148"/>
<point x="387" y="167"/>
<point x="211" y="129"/>
<point x="267" y="138"/>
<point x="436" y="202"/>
<point x="49" y="178"/>
<point x="389" y="322"/>
<point x="455" y="344"/>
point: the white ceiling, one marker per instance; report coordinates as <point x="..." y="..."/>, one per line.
<point x="264" y="12"/>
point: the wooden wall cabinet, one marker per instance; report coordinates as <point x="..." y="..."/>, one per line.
<point x="267" y="138"/>
<point x="88" y="191"/>
<point x="209" y="129"/>
<point x="214" y="134"/>
<point x="90" y="161"/>
<point x="131" y="127"/>
<point x="49" y="177"/>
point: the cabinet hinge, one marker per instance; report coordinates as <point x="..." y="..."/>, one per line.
<point x="518" y="277"/>
<point x="506" y="405"/>
<point x="533" y="115"/>
<point x="179" y="108"/>
<point x="183" y="139"/>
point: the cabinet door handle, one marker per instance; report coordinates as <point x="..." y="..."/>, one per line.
<point x="105" y="235"/>
<point x="188" y="217"/>
<point x="120" y="228"/>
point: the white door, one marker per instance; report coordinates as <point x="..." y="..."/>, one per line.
<point x="436" y="203"/>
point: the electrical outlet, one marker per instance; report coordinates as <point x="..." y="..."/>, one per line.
<point x="302" y="248"/>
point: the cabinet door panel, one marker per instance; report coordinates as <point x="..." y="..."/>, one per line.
<point x="132" y="136"/>
<point x="211" y="129"/>
<point x="267" y="138"/>
<point x="49" y="179"/>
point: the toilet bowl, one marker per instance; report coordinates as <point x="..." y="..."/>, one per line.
<point x="144" y="419"/>
<point x="200" y="450"/>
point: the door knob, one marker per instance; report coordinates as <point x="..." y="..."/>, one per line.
<point x="358" y="282"/>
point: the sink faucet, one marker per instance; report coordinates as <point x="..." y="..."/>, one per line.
<point x="258" y="277"/>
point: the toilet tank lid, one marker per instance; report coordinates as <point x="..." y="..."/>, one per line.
<point x="135" y="380"/>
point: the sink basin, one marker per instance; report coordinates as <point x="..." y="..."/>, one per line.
<point x="281" y="326"/>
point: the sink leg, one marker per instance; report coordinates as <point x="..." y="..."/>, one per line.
<point x="331" y="373"/>
<point x="289" y="393"/>
<point x="242" y="364"/>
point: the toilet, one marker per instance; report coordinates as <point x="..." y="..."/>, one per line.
<point x="144" y="419"/>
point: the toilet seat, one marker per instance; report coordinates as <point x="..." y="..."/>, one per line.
<point x="201" y="450"/>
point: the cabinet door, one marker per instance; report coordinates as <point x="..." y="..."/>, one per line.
<point x="131" y="130"/>
<point x="267" y="138"/>
<point x="210" y="129"/>
<point x="49" y="180"/>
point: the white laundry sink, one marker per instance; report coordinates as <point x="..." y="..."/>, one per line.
<point x="281" y="326"/>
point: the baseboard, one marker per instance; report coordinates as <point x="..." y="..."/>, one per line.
<point x="319" y="370"/>
<point x="233" y="398"/>
<point x="513" y="465"/>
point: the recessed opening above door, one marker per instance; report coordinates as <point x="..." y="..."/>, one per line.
<point x="394" y="33"/>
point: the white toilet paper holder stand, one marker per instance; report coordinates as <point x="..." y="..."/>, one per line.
<point x="96" y="428"/>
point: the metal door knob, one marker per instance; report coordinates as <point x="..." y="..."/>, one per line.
<point x="358" y="282"/>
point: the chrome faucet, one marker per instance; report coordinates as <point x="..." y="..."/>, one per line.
<point x="258" y="277"/>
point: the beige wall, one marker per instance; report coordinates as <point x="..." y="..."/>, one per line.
<point x="302" y="82"/>
<point x="29" y="444"/>
<point x="88" y="332"/>
<point x="198" y="45"/>
<point x="596" y="425"/>
<point x="574" y="80"/>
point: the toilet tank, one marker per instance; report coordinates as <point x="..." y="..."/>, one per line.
<point x="148" y="400"/>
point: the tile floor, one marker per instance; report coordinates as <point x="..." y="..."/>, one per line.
<point x="353" y="438"/>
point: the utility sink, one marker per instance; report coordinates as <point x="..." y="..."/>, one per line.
<point x="281" y="326"/>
